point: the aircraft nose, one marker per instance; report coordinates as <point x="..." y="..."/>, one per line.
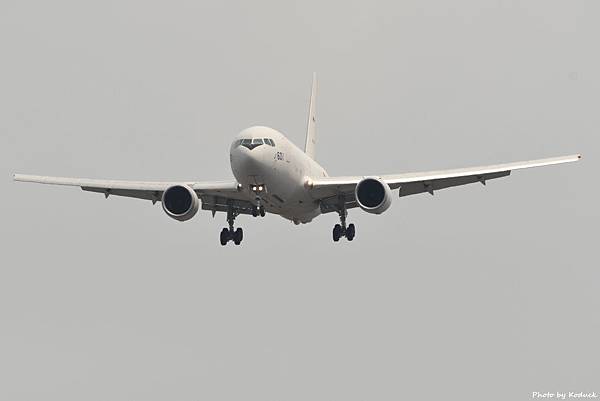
<point x="246" y="160"/>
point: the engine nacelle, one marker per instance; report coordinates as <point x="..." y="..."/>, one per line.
<point x="180" y="202"/>
<point x="373" y="195"/>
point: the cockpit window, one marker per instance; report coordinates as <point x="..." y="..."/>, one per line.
<point x="252" y="143"/>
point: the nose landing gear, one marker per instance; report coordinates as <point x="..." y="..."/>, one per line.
<point x="259" y="209"/>
<point x="229" y="234"/>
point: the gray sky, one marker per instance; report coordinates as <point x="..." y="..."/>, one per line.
<point x="475" y="293"/>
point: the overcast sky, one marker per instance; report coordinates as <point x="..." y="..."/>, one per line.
<point x="475" y="293"/>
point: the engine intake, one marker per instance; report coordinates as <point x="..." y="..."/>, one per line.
<point x="373" y="195"/>
<point x="180" y="202"/>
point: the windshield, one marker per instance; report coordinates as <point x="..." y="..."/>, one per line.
<point x="252" y="143"/>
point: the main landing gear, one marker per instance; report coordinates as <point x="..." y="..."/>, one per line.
<point x="237" y="235"/>
<point x="340" y="230"/>
<point x="229" y="234"/>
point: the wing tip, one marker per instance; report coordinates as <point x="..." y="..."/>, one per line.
<point x="22" y="177"/>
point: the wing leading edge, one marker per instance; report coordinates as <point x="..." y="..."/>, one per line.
<point x="414" y="183"/>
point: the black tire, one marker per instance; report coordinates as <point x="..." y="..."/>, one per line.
<point x="224" y="236"/>
<point x="337" y="232"/>
<point x="254" y="212"/>
<point x="238" y="236"/>
<point x="262" y="211"/>
<point x="350" y="232"/>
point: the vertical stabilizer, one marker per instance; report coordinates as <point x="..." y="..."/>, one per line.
<point x="311" y="126"/>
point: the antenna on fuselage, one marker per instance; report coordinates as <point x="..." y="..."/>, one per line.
<point x="311" y="127"/>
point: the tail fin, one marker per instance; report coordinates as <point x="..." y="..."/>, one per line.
<point x="311" y="127"/>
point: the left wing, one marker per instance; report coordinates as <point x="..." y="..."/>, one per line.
<point x="215" y="195"/>
<point x="414" y="183"/>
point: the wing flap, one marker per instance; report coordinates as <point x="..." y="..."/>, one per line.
<point x="222" y="204"/>
<point x="153" y="196"/>
<point x="430" y="186"/>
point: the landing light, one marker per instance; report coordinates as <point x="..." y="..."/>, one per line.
<point x="260" y="188"/>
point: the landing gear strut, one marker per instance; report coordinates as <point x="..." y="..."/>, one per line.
<point x="229" y="234"/>
<point x="341" y="230"/>
<point x="259" y="209"/>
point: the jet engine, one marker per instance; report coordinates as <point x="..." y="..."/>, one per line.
<point x="373" y="195"/>
<point x="180" y="202"/>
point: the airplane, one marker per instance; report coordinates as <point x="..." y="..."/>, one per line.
<point x="272" y="175"/>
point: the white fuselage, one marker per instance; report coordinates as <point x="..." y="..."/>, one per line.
<point x="282" y="170"/>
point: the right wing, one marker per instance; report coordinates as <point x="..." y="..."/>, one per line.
<point x="215" y="195"/>
<point x="329" y="189"/>
<point x="414" y="183"/>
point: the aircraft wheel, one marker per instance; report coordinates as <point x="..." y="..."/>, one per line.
<point x="238" y="236"/>
<point x="350" y="232"/>
<point x="262" y="211"/>
<point x="337" y="232"/>
<point x="254" y="211"/>
<point x="224" y="236"/>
